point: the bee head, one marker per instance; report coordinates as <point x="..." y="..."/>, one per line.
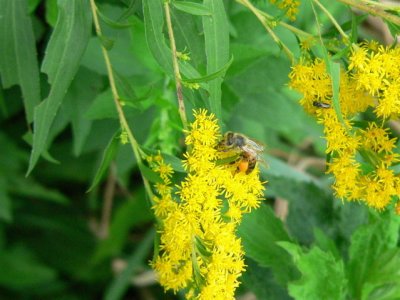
<point x="230" y="138"/>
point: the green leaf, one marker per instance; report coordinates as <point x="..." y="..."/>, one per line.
<point x="383" y="282"/>
<point x="311" y="205"/>
<point x="154" y="23"/>
<point x="325" y="243"/>
<point x="63" y="54"/>
<point x="140" y="47"/>
<point x="216" y="35"/>
<point x="28" y="138"/>
<point x="259" y="231"/>
<point x="103" y="107"/>
<point x="106" y="42"/>
<point x="112" y="23"/>
<point x="355" y="22"/>
<point x="51" y="12"/>
<point x="394" y="28"/>
<point x="5" y="202"/>
<point x="3" y="106"/>
<point x="192" y="8"/>
<point x="221" y="72"/>
<point x="149" y="174"/>
<point x="323" y="276"/>
<point x="108" y="155"/>
<point x="260" y="281"/>
<point x="121" y="283"/>
<point x="83" y="90"/>
<point x="64" y="244"/>
<point x="23" y="270"/>
<point x="368" y="244"/>
<point x="32" y="4"/>
<point x="188" y="37"/>
<point x="28" y="188"/>
<point x="18" y="59"/>
<point x="334" y="71"/>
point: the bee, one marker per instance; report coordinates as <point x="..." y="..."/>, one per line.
<point x="321" y="104"/>
<point x="249" y="151"/>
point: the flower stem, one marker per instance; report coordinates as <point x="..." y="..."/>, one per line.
<point x="264" y="21"/>
<point x="385" y="6"/>
<point x="373" y="10"/>
<point x="177" y="74"/>
<point x="333" y="20"/>
<point x="116" y="98"/>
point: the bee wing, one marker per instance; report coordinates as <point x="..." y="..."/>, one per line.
<point x="253" y="147"/>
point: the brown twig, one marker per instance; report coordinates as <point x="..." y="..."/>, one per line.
<point x="108" y="198"/>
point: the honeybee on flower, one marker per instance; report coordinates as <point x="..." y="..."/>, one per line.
<point x="249" y="151"/>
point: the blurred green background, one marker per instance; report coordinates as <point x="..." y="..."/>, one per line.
<point x="59" y="241"/>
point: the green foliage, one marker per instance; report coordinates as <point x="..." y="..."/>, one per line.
<point x="374" y="259"/>
<point x="63" y="54"/>
<point x="260" y="245"/>
<point x="19" y="63"/>
<point x="316" y="267"/>
<point x="84" y="209"/>
<point x="216" y="37"/>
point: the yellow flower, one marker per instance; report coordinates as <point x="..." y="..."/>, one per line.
<point x="346" y="171"/>
<point x="199" y="249"/>
<point x="372" y="79"/>
<point x="377" y="139"/>
<point x="291" y="7"/>
<point x="359" y="58"/>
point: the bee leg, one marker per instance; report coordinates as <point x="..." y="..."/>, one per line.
<point x="243" y="166"/>
<point x="251" y="167"/>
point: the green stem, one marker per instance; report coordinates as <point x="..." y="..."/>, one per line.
<point x="177" y="74"/>
<point x="333" y="20"/>
<point x="373" y="10"/>
<point x="264" y="21"/>
<point x="388" y="6"/>
<point x="114" y="91"/>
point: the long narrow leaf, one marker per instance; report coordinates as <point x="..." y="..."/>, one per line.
<point x="208" y="77"/>
<point x="216" y="34"/>
<point x="108" y="155"/>
<point x="334" y="71"/>
<point x="192" y="8"/>
<point x="63" y="54"/>
<point x="154" y="23"/>
<point x="18" y="61"/>
<point x="112" y="23"/>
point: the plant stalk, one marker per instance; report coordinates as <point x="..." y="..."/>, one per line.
<point x="177" y="74"/>
<point x="116" y="98"/>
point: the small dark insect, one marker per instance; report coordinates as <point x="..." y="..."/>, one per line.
<point x="321" y="104"/>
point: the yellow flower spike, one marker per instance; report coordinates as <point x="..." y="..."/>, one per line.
<point x="199" y="249"/>
<point x="371" y="80"/>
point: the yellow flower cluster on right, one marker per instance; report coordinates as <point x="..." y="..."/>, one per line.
<point x="199" y="249"/>
<point x="362" y="153"/>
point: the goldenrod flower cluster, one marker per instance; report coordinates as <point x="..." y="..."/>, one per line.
<point x="376" y="69"/>
<point x="362" y="156"/>
<point x="291" y="7"/>
<point x="199" y="250"/>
